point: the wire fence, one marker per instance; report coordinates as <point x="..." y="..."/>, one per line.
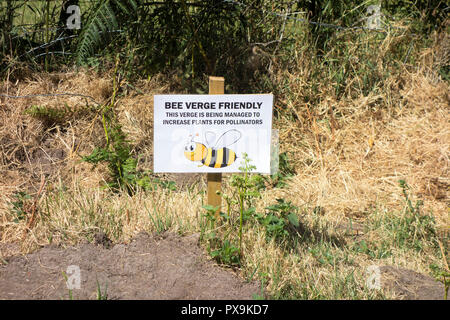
<point x="50" y="95"/>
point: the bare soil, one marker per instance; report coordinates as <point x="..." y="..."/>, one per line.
<point x="149" y="267"/>
<point x="410" y="285"/>
<point x="155" y="267"/>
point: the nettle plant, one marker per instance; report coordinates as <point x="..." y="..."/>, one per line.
<point x="280" y="221"/>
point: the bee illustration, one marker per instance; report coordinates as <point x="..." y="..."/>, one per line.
<point x="218" y="156"/>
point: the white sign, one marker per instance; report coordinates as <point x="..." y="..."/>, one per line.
<point x="210" y="133"/>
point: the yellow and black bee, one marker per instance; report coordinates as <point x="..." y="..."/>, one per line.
<point x="214" y="157"/>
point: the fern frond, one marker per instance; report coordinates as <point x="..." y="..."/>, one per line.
<point x="101" y="21"/>
<point x="125" y="5"/>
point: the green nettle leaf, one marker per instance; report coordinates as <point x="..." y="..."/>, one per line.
<point x="248" y="214"/>
<point x="215" y="253"/>
<point x="293" y="219"/>
<point x="210" y="208"/>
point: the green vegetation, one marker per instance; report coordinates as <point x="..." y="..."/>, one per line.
<point x="235" y="39"/>
<point x="281" y="221"/>
<point x="70" y="290"/>
<point x="411" y="230"/>
<point x="117" y="154"/>
<point x="102" y="295"/>
<point x="18" y="206"/>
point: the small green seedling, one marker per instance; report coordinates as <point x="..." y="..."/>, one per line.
<point x="102" y="295"/>
<point x="66" y="279"/>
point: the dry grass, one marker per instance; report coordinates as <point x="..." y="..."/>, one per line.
<point x="358" y="166"/>
<point x="351" y="164"/>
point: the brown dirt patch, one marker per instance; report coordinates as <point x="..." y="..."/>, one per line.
<point x="410" y="285"/>
<point x="149" y="267"/>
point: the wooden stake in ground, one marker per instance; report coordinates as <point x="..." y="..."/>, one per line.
<point x="214" y="180"/>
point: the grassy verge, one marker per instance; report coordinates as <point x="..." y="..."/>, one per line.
<point x="310" y="259"/>
<point x="354" y="118"/>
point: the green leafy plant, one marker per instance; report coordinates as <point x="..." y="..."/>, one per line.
<point x="221" y="249"/>
<point x="101" y="21"/>
<point x="209" y="219"/>
<point x="246" y="189"/>
<point x="51" y="116"/>
<point x="117" y="153"/>
<point x="146" y="182"/>
<point x="442" y="275"/>
<point x="410" y="229"/>
<point x="46" y="113"/>
<point x="226" y="253"/>
<point x="19" y="205"/>
<point x="374" y="250"/>
<point x="413" y="227"/>
<point x="102" y="295"/>
<point x="280" y="221"/>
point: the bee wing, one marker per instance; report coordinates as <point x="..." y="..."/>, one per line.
<point x="228" y="138"/>
<point x="210" y="137"/>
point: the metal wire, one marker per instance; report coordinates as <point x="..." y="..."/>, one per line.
<point x="50" y="95"/>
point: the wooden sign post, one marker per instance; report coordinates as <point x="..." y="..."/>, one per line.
<point x="214" y="180"/>
<point x="209" y="133"/>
